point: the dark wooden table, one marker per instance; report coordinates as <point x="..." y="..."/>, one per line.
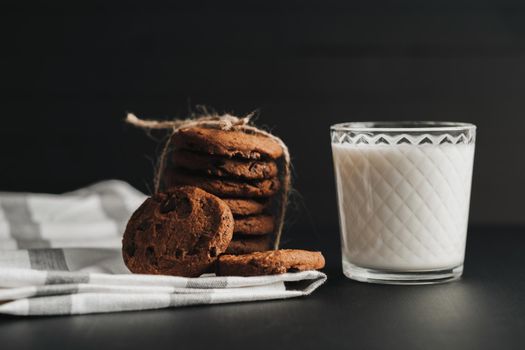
<point x="484" y="310"/>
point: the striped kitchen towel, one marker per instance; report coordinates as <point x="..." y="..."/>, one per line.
<point x="60" y="255"/>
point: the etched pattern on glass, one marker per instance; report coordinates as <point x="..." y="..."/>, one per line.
<point x="356" y="138"/>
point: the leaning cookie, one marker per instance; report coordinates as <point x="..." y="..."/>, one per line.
<point x="180" y="233"/>
<point x="254" y="225"/>
<point x="225" y="167"/>
<point x="229" y="143"/>
<point x="269" y="263"/>
<point x="223" y="187"/>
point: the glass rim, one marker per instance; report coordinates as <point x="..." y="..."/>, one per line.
<point x="402" y="126"/>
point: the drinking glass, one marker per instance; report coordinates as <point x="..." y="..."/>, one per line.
<point x="403" y="191"/>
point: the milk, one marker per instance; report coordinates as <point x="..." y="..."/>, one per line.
<point x="403" y="207"/>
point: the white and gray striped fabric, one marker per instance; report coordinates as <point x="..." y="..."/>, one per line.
<point x="60" y="255"/>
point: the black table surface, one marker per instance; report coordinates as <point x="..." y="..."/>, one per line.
<point x="483" y="310"/>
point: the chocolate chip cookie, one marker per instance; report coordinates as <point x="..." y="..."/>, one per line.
<point x="180" y="232"/>
<point x="254" y="225"/>
<point x="240" y="206"/>
<point x="223" y="187"/>
<point x="234" y="143"/>
<point x="269" y="263"/>
<point x="223" y="166"/>
<point x="249" y="244"/>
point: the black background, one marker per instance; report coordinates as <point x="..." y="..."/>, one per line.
<point x="70" y="71"/>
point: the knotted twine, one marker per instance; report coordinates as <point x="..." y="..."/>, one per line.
<point x="225" y="122"/>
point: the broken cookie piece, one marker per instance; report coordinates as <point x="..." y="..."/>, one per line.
<point x="269" y="263"/>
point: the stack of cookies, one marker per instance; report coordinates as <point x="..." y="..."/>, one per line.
<point x="236" y="166"/>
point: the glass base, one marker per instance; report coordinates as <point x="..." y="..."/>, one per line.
<point x="405" y="278"/>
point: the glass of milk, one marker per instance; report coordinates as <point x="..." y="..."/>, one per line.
<point x="403" y="192"/>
